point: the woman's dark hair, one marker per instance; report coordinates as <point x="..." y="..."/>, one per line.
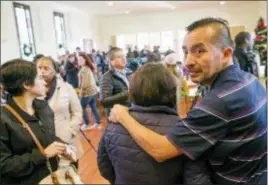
<point x="153" y="85"/>
<point x="37" y="57"/>
<point x="88" y="61"/>
<point x="16" y="73"/>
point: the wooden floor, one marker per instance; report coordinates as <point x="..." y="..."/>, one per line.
<point x="88" y="169"/>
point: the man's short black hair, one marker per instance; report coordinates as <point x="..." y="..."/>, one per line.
<point x="152" y="57"/>
<point x="241" y="38"/>
<point x="78" y="48"/>
<point x="222" y="36"/>
<point x="16" y="73"/>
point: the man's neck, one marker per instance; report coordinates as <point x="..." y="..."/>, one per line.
<point x="243" y="49"/>
<point x="120" y="70"/>
<point x="213" y="78"/>
<point x="210" y="81"/>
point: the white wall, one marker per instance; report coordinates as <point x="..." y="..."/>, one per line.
<point x="81" y="24"/>
<point x="247" y="14"/>
<point x="78" y="24"/>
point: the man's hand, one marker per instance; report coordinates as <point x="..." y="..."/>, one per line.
<point x="118" y="113"/>
<point x="156" y="145"/>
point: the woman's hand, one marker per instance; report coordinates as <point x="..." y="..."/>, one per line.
<point x="54" y="149"/>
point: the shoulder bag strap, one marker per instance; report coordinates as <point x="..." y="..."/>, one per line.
<point x="26" y="126"/>
<point x="38" y="144"/>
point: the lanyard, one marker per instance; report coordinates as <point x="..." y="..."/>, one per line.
<point x="198" y="92"/>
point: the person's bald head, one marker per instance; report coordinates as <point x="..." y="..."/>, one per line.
<point x="219" y="30"/>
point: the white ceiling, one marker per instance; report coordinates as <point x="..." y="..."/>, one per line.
<point x="136" y="7"/>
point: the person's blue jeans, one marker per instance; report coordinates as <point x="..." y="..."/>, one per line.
<point x="92" y="102"/>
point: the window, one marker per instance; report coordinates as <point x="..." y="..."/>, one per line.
<point x="143" y="40"/>
<point x="120" y="41"/>
<point x="166" y="41"/>
<point x="25" y="31"/>
<point x="60" y="31"/>
<point x="163" y="39"/>
<point x="130" y="40"/>
<point x="154" y="39"/>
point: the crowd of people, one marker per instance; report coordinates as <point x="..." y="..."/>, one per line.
<point x="222" y="140"/>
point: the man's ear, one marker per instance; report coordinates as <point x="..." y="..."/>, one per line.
<point x="227" y="54"/>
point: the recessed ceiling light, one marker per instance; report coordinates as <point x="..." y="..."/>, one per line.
<point x="126" y="12"/>
<point x="110" y="3"/>
<point x="222" y="3"/>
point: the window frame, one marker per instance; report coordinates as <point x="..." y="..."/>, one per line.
<point x="59" y="14"/>
<point x="25" y="7"/>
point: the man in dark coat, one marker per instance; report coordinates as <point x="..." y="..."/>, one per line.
<point x="243" y="45"/>
<point x="114" y="83"/>
<point x="71" y="70"/>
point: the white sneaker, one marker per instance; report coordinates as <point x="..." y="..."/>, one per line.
<point x="84" y="127"/>
<point x="99" y="126"/>
<point x="94" y="126"/>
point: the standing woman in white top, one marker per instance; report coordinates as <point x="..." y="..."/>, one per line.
<point x="64" y="102"/>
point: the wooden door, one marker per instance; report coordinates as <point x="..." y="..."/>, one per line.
<point x="113" y="41"/>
